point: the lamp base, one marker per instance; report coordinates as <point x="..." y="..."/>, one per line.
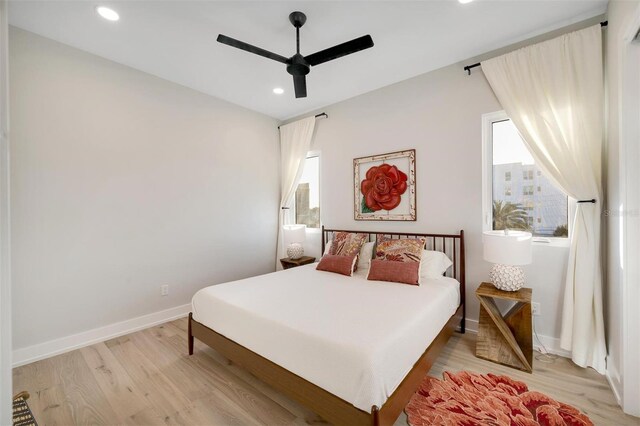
<point x="506" y="277"/>
<point x="295" y="251"/>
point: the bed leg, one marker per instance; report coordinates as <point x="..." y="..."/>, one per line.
<point x="463" y="322"/>
<point x="375" y="415"/>
<point x="190" y="337"/>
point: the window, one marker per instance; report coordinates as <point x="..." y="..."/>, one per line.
<point x="510" y="192"/>
<point x="307" y="203"/>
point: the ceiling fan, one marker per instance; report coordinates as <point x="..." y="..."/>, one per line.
<point x="297" y="65"/>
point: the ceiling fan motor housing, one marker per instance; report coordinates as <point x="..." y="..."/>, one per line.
<point x="297" y="65"/>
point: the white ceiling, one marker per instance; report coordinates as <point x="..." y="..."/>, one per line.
<point x="176" y="40"/>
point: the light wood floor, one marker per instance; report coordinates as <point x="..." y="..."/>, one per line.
<point x="147" y="378"/>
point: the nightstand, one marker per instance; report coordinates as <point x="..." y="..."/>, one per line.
<point x="505" y="339"/>
<point x="292" y="263"/>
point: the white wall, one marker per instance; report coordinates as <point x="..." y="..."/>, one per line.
<point x="438" y="114"/>
<point x="123" y="182"/>
<point x="621" y="305"/>
<point x="5" y="265"/>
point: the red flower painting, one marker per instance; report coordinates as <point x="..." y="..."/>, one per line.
<point x="383" y="187"/>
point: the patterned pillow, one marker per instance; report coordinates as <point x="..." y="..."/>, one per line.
<point x="402" y="250"/>
<point x="347" y="244"/>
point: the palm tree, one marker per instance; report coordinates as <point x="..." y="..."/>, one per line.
<point x="561" y="231"/>
<point x="508" y="215"/>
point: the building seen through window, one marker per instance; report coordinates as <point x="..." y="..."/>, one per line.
<point x="523" y="197"/>
<point x="307" y="202"/>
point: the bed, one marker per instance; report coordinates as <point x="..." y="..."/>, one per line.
<point x="352" y="350"/>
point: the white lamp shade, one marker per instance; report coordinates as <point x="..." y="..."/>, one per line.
<point x="294" y="234"/>
<point x="513" y="248"/>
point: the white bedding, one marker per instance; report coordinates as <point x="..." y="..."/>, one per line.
<point x="354" y="338"/>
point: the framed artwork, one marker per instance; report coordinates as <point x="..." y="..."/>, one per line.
<point x="385" y="186"/>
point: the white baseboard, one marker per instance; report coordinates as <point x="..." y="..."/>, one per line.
<point x="552" y="344"/>
<point x="613" y="378"/>
<point x="68" y="343"/>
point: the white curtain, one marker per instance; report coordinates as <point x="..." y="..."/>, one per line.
<point x="295" y="141"/>
<point x="553" y="93"/>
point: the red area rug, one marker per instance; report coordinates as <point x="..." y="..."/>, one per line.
<point x="470" y="399"/>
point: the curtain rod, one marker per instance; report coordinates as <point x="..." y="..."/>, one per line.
<point x="322" y="114"/>
<point x="477" y="64"/>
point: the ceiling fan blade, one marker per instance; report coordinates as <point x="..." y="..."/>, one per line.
<point x="250" y="48"/>
<point x="300" y="86"/>
<point x="343" y="49"/>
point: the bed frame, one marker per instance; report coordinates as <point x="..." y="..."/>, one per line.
<point x="324" y="403"/>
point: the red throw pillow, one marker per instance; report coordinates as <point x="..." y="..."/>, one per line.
<point x="338" y="264"/>
<point x="397" y="272"/>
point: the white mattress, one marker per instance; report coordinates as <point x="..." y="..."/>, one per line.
<point x="354" y="338"/>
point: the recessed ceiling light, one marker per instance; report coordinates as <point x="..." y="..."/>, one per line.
<point x="465" y="1"/>
<point x="108" y="14"/>
<point x="278" y="90"/>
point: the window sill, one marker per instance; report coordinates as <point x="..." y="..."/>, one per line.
<point x="551" y="242"/>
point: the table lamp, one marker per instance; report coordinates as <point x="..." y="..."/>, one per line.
<point x="507" y="250"/>
<point x="294" y="236"/>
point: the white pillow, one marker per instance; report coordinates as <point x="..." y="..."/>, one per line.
<point x="434" y="264"/>
<point x="366" y="253"/>
<point x="327" y="247"/>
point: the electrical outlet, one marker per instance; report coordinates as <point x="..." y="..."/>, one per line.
<point x="164" y="290"/>
<point x="535" y="308"/>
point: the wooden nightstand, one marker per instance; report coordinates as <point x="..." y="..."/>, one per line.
<point x="292" y="263"/>
<point x="505" y="339"/>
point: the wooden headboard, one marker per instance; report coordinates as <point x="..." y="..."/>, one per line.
<point x="450" y="244"/>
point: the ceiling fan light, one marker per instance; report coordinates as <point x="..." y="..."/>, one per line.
<point x="278" y="90"/>
<point x="107" y="13"/>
